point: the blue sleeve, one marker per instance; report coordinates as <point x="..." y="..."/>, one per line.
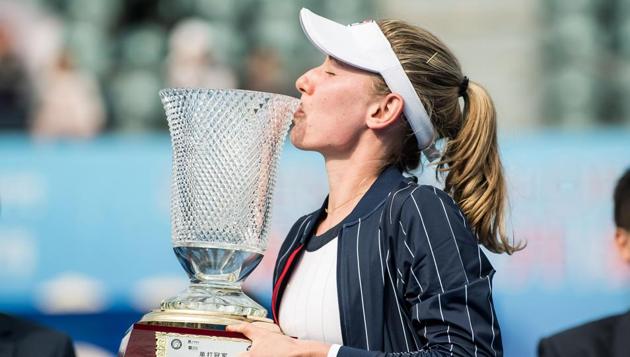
<point x="444" y="281"/>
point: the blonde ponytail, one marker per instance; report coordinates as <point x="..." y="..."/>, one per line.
<point x="471" y="162"/>
<point x="475" y="175"/>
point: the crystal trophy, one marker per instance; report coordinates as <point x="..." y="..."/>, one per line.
<point x="226" y="147"/>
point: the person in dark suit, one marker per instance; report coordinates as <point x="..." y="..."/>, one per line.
<point x="21" y="338"/>
<point x="610" y="336"/>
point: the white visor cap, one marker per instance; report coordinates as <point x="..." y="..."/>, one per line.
<point x="364" y="46"/>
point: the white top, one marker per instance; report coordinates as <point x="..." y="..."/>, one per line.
<point x="310" y="308"/>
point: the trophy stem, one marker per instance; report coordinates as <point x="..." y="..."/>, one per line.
<point x="224" y="297"/>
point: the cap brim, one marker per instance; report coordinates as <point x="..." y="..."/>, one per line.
<point x="335" y="40"/>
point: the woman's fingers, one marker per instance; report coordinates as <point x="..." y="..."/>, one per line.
<point x="267" y="340"/>
<point x="267" y="326"/>
<point x="243" y="328"/>
<point x="239" y="327"/>
<point x="247" y="329"/>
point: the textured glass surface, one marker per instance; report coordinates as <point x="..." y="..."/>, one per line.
<point x="226" y="145"/>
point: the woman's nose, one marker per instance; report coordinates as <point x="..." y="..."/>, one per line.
<point x="303" y="84"/>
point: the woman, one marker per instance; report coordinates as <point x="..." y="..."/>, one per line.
<point x="387" y="265"/>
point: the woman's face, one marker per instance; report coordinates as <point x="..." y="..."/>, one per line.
<point x="334" y="106"/>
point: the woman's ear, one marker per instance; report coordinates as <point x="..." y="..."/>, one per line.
<point x="385" y="111"/>
<point x="622" y="240"/>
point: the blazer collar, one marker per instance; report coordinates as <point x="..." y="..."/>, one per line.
<point x="387" y="181"/>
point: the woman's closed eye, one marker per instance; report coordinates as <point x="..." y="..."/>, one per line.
<point x="331" y="73"/>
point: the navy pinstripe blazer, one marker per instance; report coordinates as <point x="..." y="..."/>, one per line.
<point x="411" y="278"/>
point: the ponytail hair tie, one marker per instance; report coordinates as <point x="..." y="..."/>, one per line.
<point x="463" y="87"/>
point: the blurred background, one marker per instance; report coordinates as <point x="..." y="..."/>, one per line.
<point x="85" y="153"/>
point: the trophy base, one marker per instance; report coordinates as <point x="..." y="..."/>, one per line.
<point x="226" y="299"/>
<point x="183" y="333"/>
<point x="156" y="340"/>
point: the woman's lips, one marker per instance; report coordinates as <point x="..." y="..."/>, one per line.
<point x="299" y="112"/>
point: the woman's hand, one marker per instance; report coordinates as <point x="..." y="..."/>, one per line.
<point x="269" y="326"/>
<point x="272" y="343"/>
